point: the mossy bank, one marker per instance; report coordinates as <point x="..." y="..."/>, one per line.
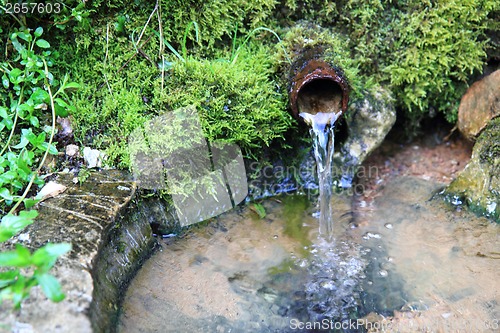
<point x="137" y="59"/>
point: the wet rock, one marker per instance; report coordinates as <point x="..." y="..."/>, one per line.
<point x="480" y="103"/>
<point x="368" y="121"/>
<point x="108" y="247"/>
<point x="478" y="185"/>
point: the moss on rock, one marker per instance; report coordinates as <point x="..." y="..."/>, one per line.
<point x="478" y="185"/>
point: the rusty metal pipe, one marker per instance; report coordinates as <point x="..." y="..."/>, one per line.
<point x="317" y="87"/>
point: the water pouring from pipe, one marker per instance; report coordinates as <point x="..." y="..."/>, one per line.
<point x="319" y="94"/>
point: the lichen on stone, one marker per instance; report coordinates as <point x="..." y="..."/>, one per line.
<point x="478" y="185"/>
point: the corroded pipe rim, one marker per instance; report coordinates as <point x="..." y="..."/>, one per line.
<point x="312" y="70"/>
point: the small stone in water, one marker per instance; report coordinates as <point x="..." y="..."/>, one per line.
<point x="328" y="285"/>
<point x="446" y="315"/>
<point x="122" y="188"/>
<point x="383" y="273"/>
<point x="369" y="235"/>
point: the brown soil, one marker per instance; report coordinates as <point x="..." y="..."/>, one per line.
<point x="429" y="158"/>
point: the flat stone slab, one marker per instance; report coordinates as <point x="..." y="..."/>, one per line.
<point x="82" y="215"/>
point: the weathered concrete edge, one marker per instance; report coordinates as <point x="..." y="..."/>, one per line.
<point x="108" y="249"/>
<point x="127" y="243"/>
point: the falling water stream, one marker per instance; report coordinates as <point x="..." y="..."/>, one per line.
<point x="322" y="127"/>
<point x="319" y="104"/>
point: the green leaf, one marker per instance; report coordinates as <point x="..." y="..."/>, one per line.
<point x="3" y="112"/>
<point x="46" y="256"/>
<point x="40" y="96"/>
<point x="52" y="148"/>
<point x="5" y="81"/>
<point x="24" y="36"/>
<point x="18" y="292"/>
<point x="12" y="224"/>
<point x="61" y="111"/>
<point x="8" y="122"/>
<point x="28" y="203"/>
<point x="61" y="102"/>
<point x="20" y="257"/>
<point x="72" y="85"/>
<point x="38" y="32"/>
<point x="7" y="278"/>
<point x="14" y="74"/>
<point x="50" y="287"/>
<point x="5" y="193"/>
<point x="31" y="137"/>
<point x="24" y="142"/>
<point x="40" y="140"/>
<point x="18" y="46"/>
<point x="34" y="121"/>
<point x="42" y="43"/>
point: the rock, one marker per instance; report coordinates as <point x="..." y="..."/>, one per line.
<point x="480" y="103"/>
<point x="368" y="122"/>
<point x="478" y="185"/>
<point x="93" y="158"/>
<point x="71" y="150"/>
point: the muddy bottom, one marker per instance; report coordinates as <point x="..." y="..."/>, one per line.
<point x="403" y="261"/>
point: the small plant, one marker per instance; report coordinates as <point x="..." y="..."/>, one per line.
<point x="83" y="175"/>
<point x="14" y="284"/>
<point x="259" y="209"/>
<point x="27" y="133"/>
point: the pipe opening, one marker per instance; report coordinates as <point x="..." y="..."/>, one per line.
<point x="320" y="96"/>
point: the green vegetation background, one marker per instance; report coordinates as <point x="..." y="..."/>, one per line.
<point x="116" y="64"/>
<point x="137" y="59"/>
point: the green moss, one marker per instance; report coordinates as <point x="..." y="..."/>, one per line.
<point x="427" y="51"/>
<point x="424" y="52"/>
<point x="238" y="102"/>
<point x="490" y="153"/>
<point x="217" y="20"/>
<point x="478" y="185"/>
<point x="322" y="12"/>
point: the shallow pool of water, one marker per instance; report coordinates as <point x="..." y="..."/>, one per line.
<point x="404" y="262"/>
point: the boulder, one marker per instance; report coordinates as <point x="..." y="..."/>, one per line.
<point x="478" y="185"/>
<point x="479" y="105"/>
<point x="368" y="121"/>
